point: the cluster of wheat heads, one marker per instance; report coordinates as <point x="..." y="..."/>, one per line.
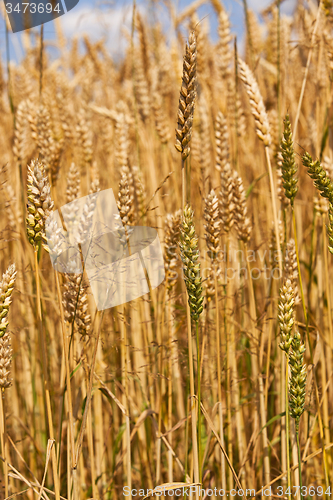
<point x="223" y="374"/>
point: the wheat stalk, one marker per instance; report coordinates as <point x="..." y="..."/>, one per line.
<point x="191" y="271"/>
<point x="39" y="207"/>
<point x="6" y="289"/>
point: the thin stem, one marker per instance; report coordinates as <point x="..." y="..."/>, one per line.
<point x="124" y="360"/>
<point x="256" y="372"/>
<point x="199" y="402"/>
<point x="248" y="31"/>
<point x="3" y="437"/>
<point x="192" y="399"/>
<point x="45" y="376"/>
<point x="89" y="394"/>
<point x="219" y="381"/>
<point x="228" y="361"/>
<point x="235" y="106"/>
<point x="287" y="425"/>
<point x="307" y="70"/>
<point x="134" y="86"/>
<point x="320" y="421"/>
<point x="275" y="217"/>
<point x="299" y="268"/>
<point x="327" y="283"/>
<point x="41" y="54"/>
<point x="9" y="83"/>
<point x="170" y="460"/>
<point x="183" y="185"/>
<point x="283" y="419"/>
<point x="299" y="456"/>
<point x="69" y="389"/>
<point x="278" y="80"/>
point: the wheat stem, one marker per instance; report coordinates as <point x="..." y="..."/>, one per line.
<point x="192" y="399"/>
<point x="199" y="402"/>
<point x="219" y="379"/>
<point x="45" y="376"/>
<point x="287" y="425"/>
<point x="299" y="460"/>
<point x="69" y="389"/>
<point x="275" y="217"/>
<point x="306" y="70"/>
<point x="3" y="435"/>
<point x="256" y="371"/>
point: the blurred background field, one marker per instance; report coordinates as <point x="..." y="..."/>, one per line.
<point x="97" y="100"/>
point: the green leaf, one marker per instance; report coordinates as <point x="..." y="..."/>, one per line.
<point x="253" y="183"/>
<point x="272" y="420"/>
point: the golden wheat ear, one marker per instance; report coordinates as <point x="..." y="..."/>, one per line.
<point x="286" y="315"/>
<point x="241" y="220"/>
<point x="6" y="289"/>
<point x="187" y="98"/>
<point x="256" y="102"/>
<point x="40" y="202"/>
<point x="213" y="224"/>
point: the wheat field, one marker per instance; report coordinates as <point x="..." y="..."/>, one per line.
<point x="222" y="375"/>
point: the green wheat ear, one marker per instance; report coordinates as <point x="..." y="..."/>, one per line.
<point x="320" y="177"/>
<point x="289" y="167"/>
<point x="297" y="379"/>
<point x="191" y="267"/>
<point x="325" y="186"/>
<point x="327" y="7"/>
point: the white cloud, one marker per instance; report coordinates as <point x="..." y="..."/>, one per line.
<point x="287" y="7"/>
<point x="108" y="24"/>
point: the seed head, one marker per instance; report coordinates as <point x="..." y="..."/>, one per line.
<point x="213" y="226"/>
<point x="39" y="204"/>
<point x="222" y="142"/>
<point x="191" y="267"/>
<point x="227" y="206"/>
<point x="320" y="177"/>
<point x="297" y="380"/>
<point x="241" y="220"/>
<point x="289" y="168"/>
<point x="75" y="301"/>
<point x="187" y="98"/>
<point x="291" y="270"/>
<point x="286" y="315"/>
<point x="6" y="289"/>
<point x="257" y="104"/>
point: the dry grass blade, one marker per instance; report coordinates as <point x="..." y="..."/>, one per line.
<point x="214" y="431"/>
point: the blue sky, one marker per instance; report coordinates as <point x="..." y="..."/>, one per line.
<point x="111" y="18"/>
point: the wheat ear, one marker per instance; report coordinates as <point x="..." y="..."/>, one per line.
<point x="6" y="289"/>
<point x="186" y="106"/>
<point x="263" y="132"/>
<point x="289" y="168"/>
<point x="257" y="104"/>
